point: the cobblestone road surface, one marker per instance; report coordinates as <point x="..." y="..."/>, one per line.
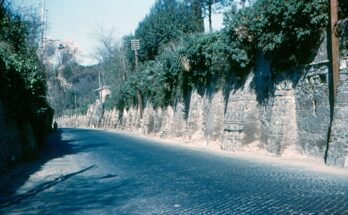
<point x="97" y="172"/>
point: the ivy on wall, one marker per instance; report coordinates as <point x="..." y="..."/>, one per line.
<point x="287" y="33"/>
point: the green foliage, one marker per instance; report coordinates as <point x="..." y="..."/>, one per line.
<point x="285" y="29"/>
<point x="127" y="51"/>
<point x="70" y="85"/>
<point x="207" y="56"/>
<point x="167" y="22"/>
<point x="81" y="80"/>
<point x="197" y="14"/>
<point x="21" y="66"/>
<point x="212" y="6"/>
<point x="155" y="80"/>
<point x="175" y="61"/>
<point x="153" y="85"/>
<point x="128" y="93"/>
<point x="239" y="38"/>
<point x="171" y="69"/>
<point x="343" y="9"/>
<point x="22" y="79"/>
<point x="281" y="30"/>
<point x="193" y="63"/>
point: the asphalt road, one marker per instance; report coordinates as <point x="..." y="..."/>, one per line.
<point x="97" y="172"/>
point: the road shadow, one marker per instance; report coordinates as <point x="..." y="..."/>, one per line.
<point x="17" y="199"/>
<point x="55" y="147"/>
<point x="72" y="191"/>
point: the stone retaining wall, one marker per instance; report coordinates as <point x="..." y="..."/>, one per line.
<point x="283" y="113"/>
<point x="295" y="116"/>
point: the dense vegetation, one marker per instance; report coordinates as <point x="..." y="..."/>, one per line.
<point x="286" y="32"/>
<point x="70" y="85"/>
<point x="22" y="76"/>
<point x="176" y="57"/>
<point x="342" y="9"/>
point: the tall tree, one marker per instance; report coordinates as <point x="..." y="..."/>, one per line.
<point x="60" y="61"/>
<point x="211" y="6"/>
<point x="197" y="14"/>
<point x="112" y="61"/>
<point x="167" y="21"/>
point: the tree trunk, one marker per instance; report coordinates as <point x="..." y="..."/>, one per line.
<point x="243" y="3"/>
<point x="209" y="16"/>
<point x="198" y="15"/>
<point x="140" y="105"/>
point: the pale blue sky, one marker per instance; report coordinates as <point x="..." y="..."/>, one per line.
<point x="78" y="20"/>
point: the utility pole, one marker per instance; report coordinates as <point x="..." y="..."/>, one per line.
<point x="100" y="85"/>
<point x="135" y="46"/>
<point x="99" y="80"/>
<point x="334" y="47"/>
<point x="334" y="65"/>
<point x="75" y="100"/>
<point x="43" y="23"/>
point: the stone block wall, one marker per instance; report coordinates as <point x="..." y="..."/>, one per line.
<point x="293" y="115"/>
<point x="10" y="143"/>
<point x="282" y="130"/>
<point x="17" y="140"/>
<point x="338" y="146"/>
<point x="213" y="118"/>
<point x="313" y="109"/>
<point x="194" y="125"/>
<point x="283" y="113"/>
<point x="241" y="121"/>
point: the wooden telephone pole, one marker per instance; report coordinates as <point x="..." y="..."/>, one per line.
<point x="43" y="23"/>
<point x="135" y="46"/>
<point x="334" y="46"/>
<point x="334" y="65"/>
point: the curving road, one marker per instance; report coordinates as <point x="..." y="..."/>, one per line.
<point x="97" y="172"/>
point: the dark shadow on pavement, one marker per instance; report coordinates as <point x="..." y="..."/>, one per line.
<point x="18" y="198"/>
<point x="54" y="148"/>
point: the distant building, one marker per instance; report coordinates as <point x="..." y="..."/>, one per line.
<point x="103" y="92"/>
